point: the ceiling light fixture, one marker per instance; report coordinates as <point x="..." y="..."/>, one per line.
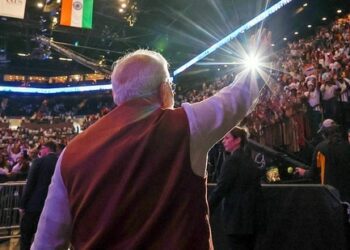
<point x="22" y="54"/>
<point x="339" y="11"/>
<point x="324" y="18"/>
<point x="305" y="4"/>
<point x="65" y="59"/>
<point x="40" y="5"/>
<point x="309" y="26"/>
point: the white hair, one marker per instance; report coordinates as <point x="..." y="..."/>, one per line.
<point x="138" y="74"/>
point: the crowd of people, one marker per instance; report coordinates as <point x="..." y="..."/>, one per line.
<point x="313" y="79"/>
<point x="18" y="148"/>
<point x="38" y="107"/>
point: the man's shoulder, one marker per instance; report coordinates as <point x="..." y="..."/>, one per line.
<point x="37" y="161"/>
<point x="342" y="146"/>
<point x="322" y="146"/>
<point x="51" y="156"/>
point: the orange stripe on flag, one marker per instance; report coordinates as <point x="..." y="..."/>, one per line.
<point x="66" y="12"/>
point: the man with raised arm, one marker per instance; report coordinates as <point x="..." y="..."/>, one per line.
<point x="136" y="179"/>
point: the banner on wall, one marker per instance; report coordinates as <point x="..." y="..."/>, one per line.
<point x="12" y="8"/>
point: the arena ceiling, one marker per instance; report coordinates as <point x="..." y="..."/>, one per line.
<point x="180" y="29"/>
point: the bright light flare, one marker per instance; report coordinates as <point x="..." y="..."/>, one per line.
<point x="233" y="35"/>
<point x="252" y="62"/>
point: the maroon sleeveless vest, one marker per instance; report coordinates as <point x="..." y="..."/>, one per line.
<point x="130" y="183"/>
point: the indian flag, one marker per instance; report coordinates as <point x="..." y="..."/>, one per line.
<point x="77" y="13"/>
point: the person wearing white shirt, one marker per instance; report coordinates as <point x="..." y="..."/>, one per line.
<point x="207" y="121"/>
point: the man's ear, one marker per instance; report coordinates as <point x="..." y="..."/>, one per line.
<point x="114" y="97"/>
<point x="166" y="95"/>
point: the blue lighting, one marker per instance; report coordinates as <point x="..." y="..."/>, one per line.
<point x="234" y="34"/>
<point x="55" y="90"/>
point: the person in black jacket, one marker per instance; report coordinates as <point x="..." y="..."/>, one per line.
<point x="331" y="160"/>
<point x="35" y="192"/>
<point x="239" y="187"/>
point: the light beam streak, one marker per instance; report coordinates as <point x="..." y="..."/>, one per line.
<point x="55" y="90"/>
<point x="234" y="34"/>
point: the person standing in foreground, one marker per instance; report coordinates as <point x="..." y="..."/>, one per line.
<point x="239" y="186"/>
<point x="139" y="180"/>
<point x="35" y="192"/>
<point x="331" y="160"/>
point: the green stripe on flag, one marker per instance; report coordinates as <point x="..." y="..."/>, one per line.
<point x="87" y="13"/>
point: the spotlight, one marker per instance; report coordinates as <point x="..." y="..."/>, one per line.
<point x="309" y="26"/>
<point x="305" y="4"/>
<point x="296" y="33"/>
<point x="284" y="38"/>
<point x="121" y="10"/>
<point x="40" y="5"/>
<point x="123" y="5"/>
<point x="339" y="11"/>
<point x="324" y="18"/>
<point x="252" y="62"/>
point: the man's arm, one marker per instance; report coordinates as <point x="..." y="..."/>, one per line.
<point x="311" y="173"/>
<point x="210" y="119"/>
<point x="54" y="228"/>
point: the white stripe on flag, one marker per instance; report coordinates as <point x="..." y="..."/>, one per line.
<point x="77" y="13"/>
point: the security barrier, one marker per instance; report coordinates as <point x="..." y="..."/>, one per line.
<point x="10" y="196"/>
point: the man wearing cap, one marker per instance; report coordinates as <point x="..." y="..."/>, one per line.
<point x="331" y="160"/>
<point x="35" y="192"/>
<point x="139" y="182"/>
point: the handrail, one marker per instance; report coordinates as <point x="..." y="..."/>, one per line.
<point x="10" y="196"/>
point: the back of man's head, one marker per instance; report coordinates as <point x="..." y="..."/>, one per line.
<point x="138" y="74"/>
<point x="329" y="128"/>
<point x="51" y="146"/>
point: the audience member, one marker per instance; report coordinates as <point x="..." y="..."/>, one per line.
<point x="35" y="192"/>
<point x="239" y="187"/>
<point x="331" y="160"/>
